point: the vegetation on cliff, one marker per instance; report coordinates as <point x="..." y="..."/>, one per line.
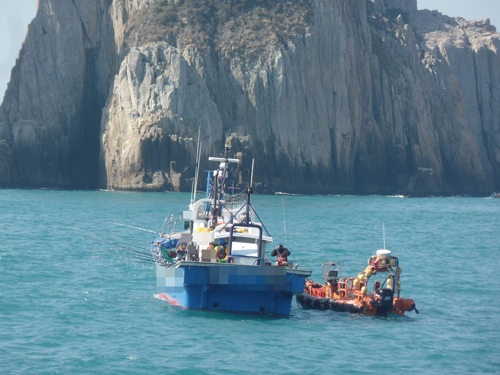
<point x="229" y="27"/>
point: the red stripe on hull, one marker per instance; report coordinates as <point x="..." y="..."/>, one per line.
<point x="166" y="297"/>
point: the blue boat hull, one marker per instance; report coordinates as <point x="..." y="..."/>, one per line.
<point x="228" y="287"/>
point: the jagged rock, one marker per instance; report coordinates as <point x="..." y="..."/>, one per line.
<point x="51" y="113"/>
<point x="374" y="97"/>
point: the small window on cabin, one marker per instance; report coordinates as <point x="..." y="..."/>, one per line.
<point x="244" y="239"/>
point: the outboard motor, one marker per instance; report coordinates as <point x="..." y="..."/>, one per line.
<point x="384" y="298"/>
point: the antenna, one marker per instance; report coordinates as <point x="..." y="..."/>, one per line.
<point x="251" y="173"/>
<point x="249" y="191"/>
<point x="284" y="220"/>
<point x="383" y="231"/>
<point x="198" y="156"/>
<point x="230" y="160"/>
<point x="197" y="171"/>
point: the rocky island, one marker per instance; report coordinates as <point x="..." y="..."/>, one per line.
<point x="357" y="97"/>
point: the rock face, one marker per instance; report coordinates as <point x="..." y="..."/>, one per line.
<point x="51" y="113"/>
<point x="375" y="97"/>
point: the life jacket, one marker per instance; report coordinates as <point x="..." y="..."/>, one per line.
<point x="282" y="258"/>
<point x="221" y="253"/>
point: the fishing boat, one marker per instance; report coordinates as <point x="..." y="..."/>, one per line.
<point x="351" y="294"/>
<point x="213" y="256"/>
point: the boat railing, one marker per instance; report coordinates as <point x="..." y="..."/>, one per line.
<point x="171" y="223"/>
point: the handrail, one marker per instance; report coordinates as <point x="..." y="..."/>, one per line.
<point x="171" y="220"/>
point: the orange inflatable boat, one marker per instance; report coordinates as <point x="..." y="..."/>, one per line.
<point x="359" y="294"/>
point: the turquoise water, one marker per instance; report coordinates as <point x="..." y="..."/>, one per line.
<point x="73" y="304"/>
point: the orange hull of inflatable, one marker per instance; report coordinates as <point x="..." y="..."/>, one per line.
<point x="322" y="297"/>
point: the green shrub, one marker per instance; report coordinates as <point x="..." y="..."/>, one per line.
<point x="228" y="27"/>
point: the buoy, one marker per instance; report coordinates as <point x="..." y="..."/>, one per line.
<point x="363" y="290"/>
<point x="356" y="282"/>
<point x="389" y="283"/>
<point x="399" y="270"/>
<point x="368" y="271"/>
<point x="382" y="263"/>
<point x="392" y="262"/>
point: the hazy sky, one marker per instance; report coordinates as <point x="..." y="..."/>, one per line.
<point x="15" y="15"/>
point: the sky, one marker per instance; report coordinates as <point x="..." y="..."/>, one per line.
<point x="15" y="15"/>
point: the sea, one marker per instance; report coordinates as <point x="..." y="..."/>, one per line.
<point x="78" y="292"/>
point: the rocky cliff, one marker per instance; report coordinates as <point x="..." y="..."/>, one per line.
<point x="369" y="96"/>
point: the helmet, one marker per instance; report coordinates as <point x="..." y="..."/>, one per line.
<point x="280" y="248"/>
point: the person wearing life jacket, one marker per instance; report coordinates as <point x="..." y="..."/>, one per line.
<point x="282" y="253"/>
<point x="221" y="252"/>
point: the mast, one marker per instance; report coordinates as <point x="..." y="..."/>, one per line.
<point x="249" y="192"/>
<point x="197" y="171"/>
<point x="221" y="173"/>
<point x="214" y="208"/>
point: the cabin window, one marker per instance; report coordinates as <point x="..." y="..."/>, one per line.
<point x="245" y="240"/>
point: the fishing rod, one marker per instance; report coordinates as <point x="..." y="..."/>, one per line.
<point x="133" y="227"/>
<point x="129" y="259"/>
<point x="139" y="260"/>
<point x="116" y="253"/>
<point x="127" y="246"/>
<point x="132" y="261"/>
<point x="145" y="257"/>
<point x="114" y="244"/>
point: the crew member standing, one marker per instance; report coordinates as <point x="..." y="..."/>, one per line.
<point x="282" y="252"/>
